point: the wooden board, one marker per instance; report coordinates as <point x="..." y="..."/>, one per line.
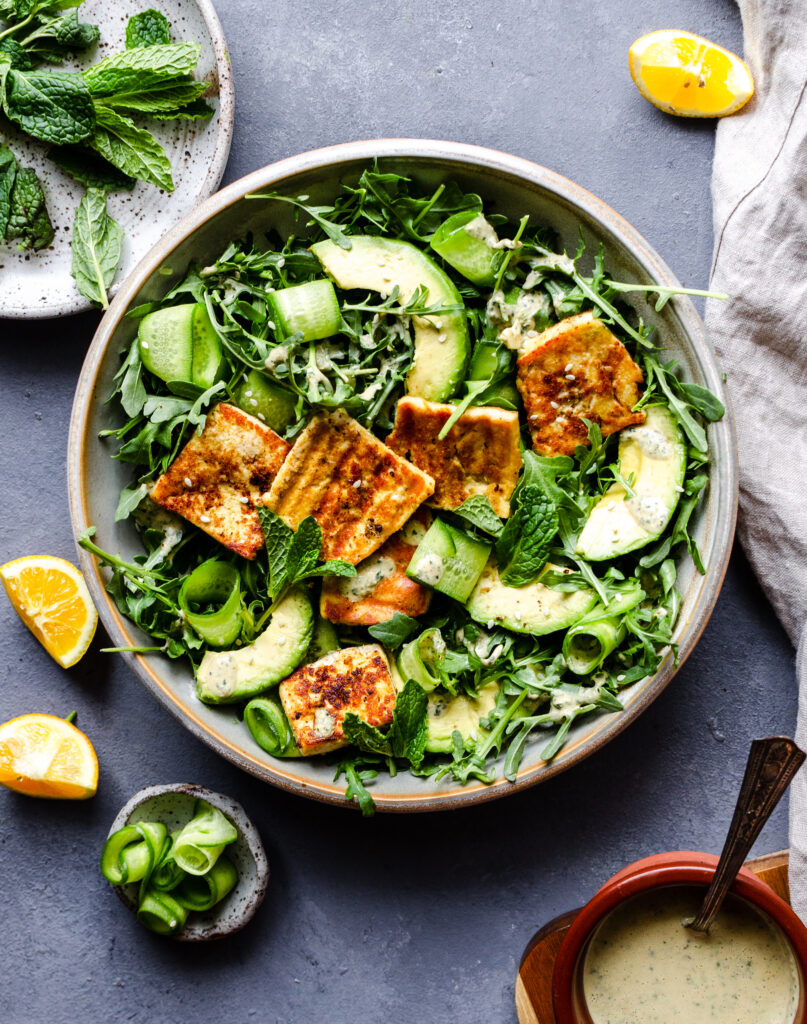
<point x="534" y="981"/>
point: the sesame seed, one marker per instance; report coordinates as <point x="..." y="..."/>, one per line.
<point x="567" y="367"/>
<point x="271" y="325"/>
<point x="248" y="394"/>
<point x="144" y="344"/>
<point x="621" y="678"/>
<point x="244" y="499"/>
<point x="204" y="519"/>
<point x="569" y="376"/>
<point x="253" y="402"/>
<point x="261" y="417"/>
<point x="246" y="378"/>
<point x="357" y="484"/>
<point x="188" y="482"/>
<point x="534" y="416"/>
<point x="554" y="405"/>
<point x="441" y="337"/>
<point x="282" y="261"/>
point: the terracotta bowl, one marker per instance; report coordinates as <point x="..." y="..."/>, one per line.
<point x="664" y="869"/>
<point x="508" y="185"/>
<point x="172" y="805"/>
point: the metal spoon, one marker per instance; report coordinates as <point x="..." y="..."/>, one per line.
<point x="772" y="764"/>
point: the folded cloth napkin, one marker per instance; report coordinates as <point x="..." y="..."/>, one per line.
<point x="759" y="188"/>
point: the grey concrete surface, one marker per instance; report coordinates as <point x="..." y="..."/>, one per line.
<point x="394" y="919"/>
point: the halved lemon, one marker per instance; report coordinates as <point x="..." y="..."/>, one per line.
<point x="42" y="755"/>
<point x="685" y="74"/>
<point x="51" y="597"/>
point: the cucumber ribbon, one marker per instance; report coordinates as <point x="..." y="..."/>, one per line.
<point x="132" y="853"/>
<point x="162" y="913"/>
<point x="200" y="843"/>
<point x="213" y="582"/>
<point x="418" y="659"/>
<point x="590" y="640"/>
<point x="270" y="728"/>
<point x="470" y="255"/>
<point x="201" y="892"/>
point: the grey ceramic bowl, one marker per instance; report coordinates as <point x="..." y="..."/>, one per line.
<point x="172" y="805"/>
<point x="512" y="186"/>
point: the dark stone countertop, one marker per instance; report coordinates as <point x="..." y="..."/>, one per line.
<point x="392" y="919"/>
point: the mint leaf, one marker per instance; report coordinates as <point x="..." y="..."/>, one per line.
<point x="96" y="244"/>
<point x="149" y="28"/>
<point x="54" y="106"/>
<point x="131" y="149"/>
<point x="28" y="221"/>
<point x="55" y="35"/>
<point x="8" y="172"/>
<point x="407" y="734"/>
<point x="160" y="98"/>
<point x="478" y="511"/>
<point x="305" y="547"/>
<point x="18" y="56"/>
<point x="196" y="111"/>
<point x="141" y="67"/>
<point x="524" y="544"/>
<point x="278" y="538"/>
<point x="364" y="736"/>
<point x="90" y="169"/>
<point x="394" y="631"/>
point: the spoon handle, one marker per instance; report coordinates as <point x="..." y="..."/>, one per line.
<point x="772" y="764"/>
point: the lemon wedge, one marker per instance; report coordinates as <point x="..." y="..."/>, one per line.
<point x="685" y="74"/>
<point x="45" y="756"/>
<point x="51" y="597"/>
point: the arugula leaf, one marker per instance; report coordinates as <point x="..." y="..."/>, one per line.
<point x="356" y="776"/>
<point x="149" y="28"/>
<point x="130" y="498"/>
<point x="702" y="399"/>
<point x="664" y="292"/>
<point x="131" y="149"/>
<point x="407" y="734"/>
<point x="316" y="213"/>
<point x="96" y="244"/>
<point x="53" y="106"/>
<point x="662" y="374"/>
<point x="89" y="169"/>
<point x="8" y="172"/>
<point x="28" y="220"/>
<point x="478" y="511"/>
<point x="141" y="67"/>
<point x="131" y="391"/>
<point x="394" y="631"/>
<point x="523" y="547"/>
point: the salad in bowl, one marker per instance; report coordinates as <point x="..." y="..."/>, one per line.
<point x="413" y="487"/>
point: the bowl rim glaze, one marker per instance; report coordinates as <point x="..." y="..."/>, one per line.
<point x="491" y="164"/>
<point x="662" y="870"/>
<point x="235" y="812"/>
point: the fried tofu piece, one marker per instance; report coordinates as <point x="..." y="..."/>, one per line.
<point x="317" y="697"/>
<point x="577" y="369"/>
<point x="380" y="587"/>
<point x="480" y="454"/>
<point x="222" y="475"/>
<point x="358" y="490"/>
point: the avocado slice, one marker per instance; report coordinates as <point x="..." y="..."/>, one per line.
<point x="535" y="609"/>
<point x="655" y="455"/>
<point x="227" y="676"/>
<point x="447" y="714"/>
<point x="380" y="264"/>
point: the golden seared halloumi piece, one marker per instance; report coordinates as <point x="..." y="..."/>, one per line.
<point x="317" y="697"/>
<point x="577" y="369"/>
<point x="221" y="476"/>
<point x="358" y="490"/>
<point x="380" y="587"/>
<point x="479" y="455"/>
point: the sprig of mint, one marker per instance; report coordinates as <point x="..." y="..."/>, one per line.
<point x="294" y="555"/>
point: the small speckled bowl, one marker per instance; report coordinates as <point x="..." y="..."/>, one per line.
<point x="173" y="806"/>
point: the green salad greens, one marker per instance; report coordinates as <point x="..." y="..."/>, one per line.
<point x="531" y="610"/>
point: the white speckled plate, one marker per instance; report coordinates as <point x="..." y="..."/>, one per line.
<point x="173" y="805"/>
<point x="39" y="285"/>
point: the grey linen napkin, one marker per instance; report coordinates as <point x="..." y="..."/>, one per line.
<point x="759" y="188"/>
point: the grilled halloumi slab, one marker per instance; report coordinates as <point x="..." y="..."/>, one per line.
<point x="577" y="369"/>
<point x="317" y="697"/>
<point x="380" y="587"/>
<point x="221" y="475"/>
<point x="480" y="454"/>
<point x="358" y="490"/>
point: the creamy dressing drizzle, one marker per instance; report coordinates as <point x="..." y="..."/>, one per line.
<point x="652" y="442"/>
<point x="649" y="511"/>
<point x="368" y="574"/>
<point x="644" y="967"/>
<point x="430" y="569"/>
<point x="413" y="532"/>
